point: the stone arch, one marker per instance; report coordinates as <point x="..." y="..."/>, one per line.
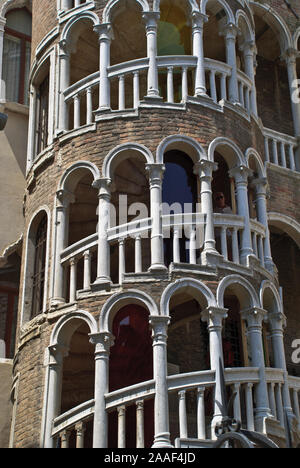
<point x="275" y="22"/>
<point x="107" y="13"/>
<point x="286" y="224"/>
<point x="12" y="4"/>
<point x="120" y="153"/>
<point x="296" y="38"/>
<point x="192" y="3"/>
<point x="229" y="150"/>
<point x="68" y="324"/>
<point x="73" y="174"/>
<point x="229" y="13"/>
<point x="76" y="21"/>
<point x="246" y="27"/>
<point x="274" y="303"/>
<point x="200" y="291"/>
<point x="252" y="153"/>
<point x="119" y="300"/>
<point x="244" y="291"/>
<point x="29" y="260"/>
<point x="183" y="143"/>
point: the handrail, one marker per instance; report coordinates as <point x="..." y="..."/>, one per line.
<point x="178" y="382"/>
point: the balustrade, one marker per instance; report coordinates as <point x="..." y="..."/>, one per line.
<point x="193" y="392"/>
<point x="69" y="4"/>
<point x="176" y="77"/>
<point x="280" y="149"/>
<point x="184" y="232"/>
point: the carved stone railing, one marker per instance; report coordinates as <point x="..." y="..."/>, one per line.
<point x="280" y="149"/>
<point x="240" y="380"/>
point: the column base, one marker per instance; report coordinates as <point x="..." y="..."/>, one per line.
<point x="158" y="267"/>
<point x="162" y="441"/>
<point x="101" y="284"/>
<point x="211" y="258"/>
<point x="56" y="302"/>
<point x="152" y="99"/>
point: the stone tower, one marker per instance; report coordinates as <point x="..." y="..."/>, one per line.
<point x="162" y="223"/>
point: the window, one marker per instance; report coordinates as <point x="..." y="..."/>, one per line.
<point x="38" y="278"/>
<point x="16" y="55"/>
<point x="42" y="115"/>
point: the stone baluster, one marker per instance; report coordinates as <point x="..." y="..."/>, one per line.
<point x="80" y="430"/>
<point x="201" y="429"/>
<point x="183" y="433"/>
<point x="140" y="425"/>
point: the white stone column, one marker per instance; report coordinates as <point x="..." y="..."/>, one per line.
<point x="260" y="186"/>
<point x="63" y="200"/>
<point x="277" y="323"/>
<point x="241" y="174"/>
<point x="103" y="267"/>
<point x="214" y="317"/>
<point x="102" y="341"/>
<point x="159" y="325"/>
<point x="230" y="32"/>
<point x="151" y="19"/>
<point x="204" y="170"/>
<point x="248" y="49"/>
<point x="64" y="83"/>
<point x="31" y="128"/>
<point x="2" y="83"/>
<point x="254" y="318"/>
<point x="156" y="172"/>
<point x="290" y="58"/>
<point x="105" y="36"/>
<point x="55" y="366"/>
<point x="198" y="20"/>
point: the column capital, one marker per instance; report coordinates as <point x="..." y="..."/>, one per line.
<point x="65" y="48"/>
<point x="56" y="354"/>
<point x="198" y="19"/>
<point x="104" y="31"/>
<point x="103" y="342"/>
<point x="290" y="55"/>
<point x="159" y="325"/>
<point x="103" y="185"/>
<point x="151" y="19"/>
<point x="2" y="24"/>
<point x="205" y="168"/>
<point x="156" y="172"/>
<point x="230" y="31"/>
<point x="277" y="321"/>
<point x="260" y="184"/>
<point x="64" y="198"/>
<point x="254" y="316"/>
<point x="240" y="173"/>
<point x="214" y="316"/>
<point x="248" y="47"/>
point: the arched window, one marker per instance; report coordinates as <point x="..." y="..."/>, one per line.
<point x="38" y="278"/>
<point x="16" y="55"/>
<point x="179" y="195"/>
<point x="131" y="362"/>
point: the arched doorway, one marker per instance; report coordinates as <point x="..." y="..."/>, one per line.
<point x="179" y="196"/>
<point x="131" y="362"/>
